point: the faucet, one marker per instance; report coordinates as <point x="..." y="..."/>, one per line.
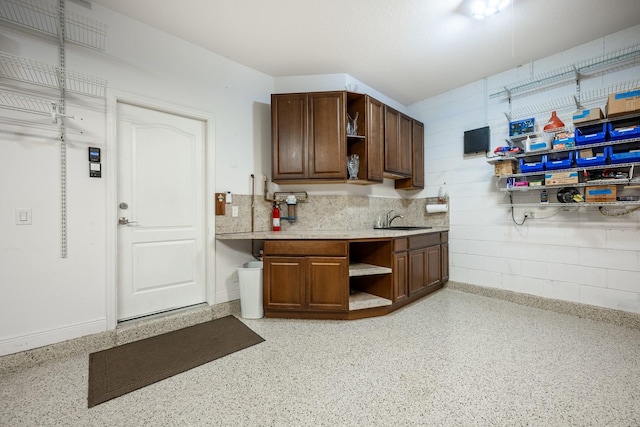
<point x="390" y="218"/>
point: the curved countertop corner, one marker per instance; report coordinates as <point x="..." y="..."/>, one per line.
<point x="326" y="234"/>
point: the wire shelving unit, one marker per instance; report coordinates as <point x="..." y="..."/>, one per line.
<point x="44" y="17"/>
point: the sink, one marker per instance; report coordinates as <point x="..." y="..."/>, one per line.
<point x="406" y="227"/>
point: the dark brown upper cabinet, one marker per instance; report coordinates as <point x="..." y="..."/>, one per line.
<point x="309" y="137"/>
<point x="397" y="144"/>
<point x="310" y="143"/>
<point x="416" y="181"/>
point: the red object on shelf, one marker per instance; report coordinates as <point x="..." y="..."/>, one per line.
<point x="276" y="217"/>
<point x="554" y="122"/>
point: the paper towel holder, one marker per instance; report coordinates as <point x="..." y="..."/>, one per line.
<point x="437" y="208"/>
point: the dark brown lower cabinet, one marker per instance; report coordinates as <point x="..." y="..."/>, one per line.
<point x="400" y="276"/>
<point x="424" y="268"/>
<point x="325" y="280"/>
<point x="306" y="283"/>
<point x="444" y="251"/>
<point x="286" y="276"/>
<point x="310" y="278"/>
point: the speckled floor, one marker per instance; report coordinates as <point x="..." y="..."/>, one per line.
<point x="452" y="359"/>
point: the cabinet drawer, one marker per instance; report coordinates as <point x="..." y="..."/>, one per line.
<point x="444" y="237"/>
<point x="305" y="247"/>
<point x="424" y="240"/>
<point x="400" y="245"/>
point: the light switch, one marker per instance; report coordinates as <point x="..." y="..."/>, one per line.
<point x="234" y="211"/>
<point x="23" y="216"/>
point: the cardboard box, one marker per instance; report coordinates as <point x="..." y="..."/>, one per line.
<point x="536" y="144"/>
<point x="585" y="153"/>
<point x="522" y="127"/>
<point x="600" y="193"/>
<point x="623" y="103"/>
<point x="589" y="115"/>
<point x="504" y="167"/>
<point x="560" y="178"/>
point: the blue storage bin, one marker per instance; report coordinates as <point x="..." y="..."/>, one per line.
<point x="563" y="143"/>
<point x="598" y="159"/>
<point x="591" y="134"/>
<point x="623" y="132"/>
<point x="559" y="161"/>
<point x="537" y="166"/>
<point x="622" y="154"/>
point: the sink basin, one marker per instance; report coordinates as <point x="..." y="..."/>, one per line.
<point x="407" y="227"/>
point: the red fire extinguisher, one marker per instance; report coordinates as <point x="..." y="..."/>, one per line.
<point x="276" y="217"/>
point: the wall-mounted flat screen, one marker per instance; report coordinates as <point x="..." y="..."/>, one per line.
<point x="477" y="140"/>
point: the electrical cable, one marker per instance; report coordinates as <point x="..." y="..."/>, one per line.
<point x="604" y="212"/>
<point x="513" y="217"/>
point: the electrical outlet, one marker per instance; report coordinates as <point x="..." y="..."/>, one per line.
<point x="234" y="211"/>
<point x="530" y="215"/>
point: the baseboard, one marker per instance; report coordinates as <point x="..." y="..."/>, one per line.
<point x="52" y="336"/>
<point x="601" y="314"/>
<point x="35" y="349"/>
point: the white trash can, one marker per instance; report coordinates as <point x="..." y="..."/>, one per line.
<point x="250" y="275"/>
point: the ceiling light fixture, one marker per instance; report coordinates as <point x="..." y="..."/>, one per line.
<point x="484" y="8"/>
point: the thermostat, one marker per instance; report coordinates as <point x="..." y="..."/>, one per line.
<point x="94" y="154"/>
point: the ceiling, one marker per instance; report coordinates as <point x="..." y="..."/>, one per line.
<point x="409" y="50"/>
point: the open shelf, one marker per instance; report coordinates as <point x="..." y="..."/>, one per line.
<point x="363" y="300"/>
<point x="570" y="205"/>
<point x="579" y="184"/>
<point x="364" y="269"/>
<point x="576" y="169"/>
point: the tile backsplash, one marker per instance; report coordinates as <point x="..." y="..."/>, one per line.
<point x="329" y="212"/>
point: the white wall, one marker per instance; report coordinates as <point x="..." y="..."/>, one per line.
<point x="578" y="256"/>
<point x="45" y="298"/>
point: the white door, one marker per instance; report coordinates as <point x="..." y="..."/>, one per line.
<point x="161" y="231"/>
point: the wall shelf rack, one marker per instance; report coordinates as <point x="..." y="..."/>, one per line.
<point x="43" y="17"/>
<point x="618" y="59"/>
<point x="62" y="27"/>
<point x="38" y="73"/>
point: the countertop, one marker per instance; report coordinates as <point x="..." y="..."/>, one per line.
<point x="326" y="234"/>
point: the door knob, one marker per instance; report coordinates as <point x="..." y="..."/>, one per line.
<point x="125" y="221"/>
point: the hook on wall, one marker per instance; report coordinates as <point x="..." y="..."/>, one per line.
<point x="56" y="113"/>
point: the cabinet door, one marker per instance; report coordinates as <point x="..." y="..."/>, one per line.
<point x="327" y="283"/>
<point x="417" y="154"/>
<point x="327" y="136"/>
<point x="417" y="270"/>
<point x="397" y="143"/>
<point x="391" y="139"/>
<point x="284" y="279"/>
<point x="433" y="264"/>
<point x="404" y="145"/>
<point x="400" y="277"/>
<point x="289" y="136"/>
<point x="417" y="159"/>
<point x="444" y="254"/>
<point x="375" y="139"/>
